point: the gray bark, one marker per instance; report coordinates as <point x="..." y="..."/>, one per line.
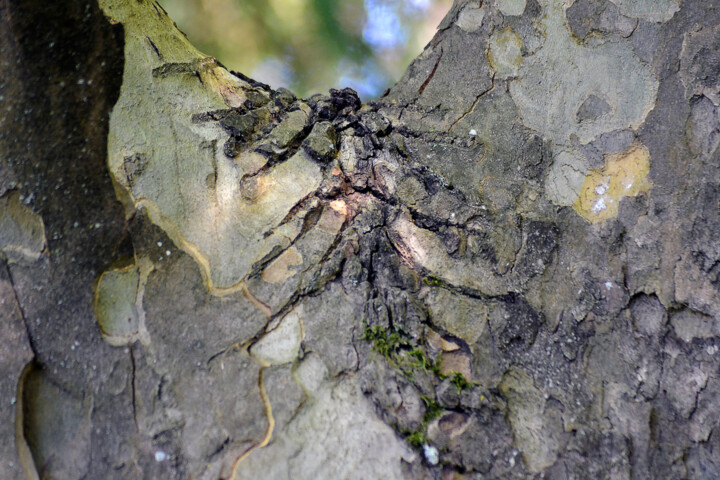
<point x="506" y="267"/>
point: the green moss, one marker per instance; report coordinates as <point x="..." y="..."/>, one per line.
<point x="432" y="410"/>
<point x="417" y="439"/>
<point x="418" y="360"/>
<point x="385" y="343"/>
<point x="397" y="348"/>
<point x="433" y="281"/>
<point x="459" y="380"/>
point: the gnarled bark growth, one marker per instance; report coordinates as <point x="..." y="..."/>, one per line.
<point x="505" y="266"/>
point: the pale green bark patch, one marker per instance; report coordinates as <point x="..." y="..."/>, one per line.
<point x="22" y="232"/>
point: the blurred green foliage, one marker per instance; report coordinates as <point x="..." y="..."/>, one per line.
<point x="312" y="45"/>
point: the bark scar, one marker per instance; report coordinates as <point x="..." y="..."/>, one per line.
<point x="432" y="73"/>
<point x="154" y="47"/>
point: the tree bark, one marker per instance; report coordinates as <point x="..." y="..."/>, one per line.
<point x="506" y="267"/>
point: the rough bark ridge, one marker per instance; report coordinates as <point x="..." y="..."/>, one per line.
<point x="506" y="267"/>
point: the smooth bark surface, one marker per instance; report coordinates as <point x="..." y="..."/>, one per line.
<point x="506" y="267"/>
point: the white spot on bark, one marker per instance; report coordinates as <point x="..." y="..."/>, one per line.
<point x="599" y="206"/>
<point x="602" y="188"/>
<point x="431" y="454"/>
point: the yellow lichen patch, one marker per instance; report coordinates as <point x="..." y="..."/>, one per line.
<point x="624" y="175"/>
<point x="281" y="268"/>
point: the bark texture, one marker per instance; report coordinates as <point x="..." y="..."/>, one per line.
<point x="506" y="267"/>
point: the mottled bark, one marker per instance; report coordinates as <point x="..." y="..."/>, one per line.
<point x="506" y="267"/>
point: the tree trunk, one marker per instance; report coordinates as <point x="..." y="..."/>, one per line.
<point x="506" y="267"/>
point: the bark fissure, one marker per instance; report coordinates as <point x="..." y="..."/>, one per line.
<point x="474" y="104"/>
<point x="18" y="305"/>
<point x="133" y="387"/>
<point x="432" y="73"/>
